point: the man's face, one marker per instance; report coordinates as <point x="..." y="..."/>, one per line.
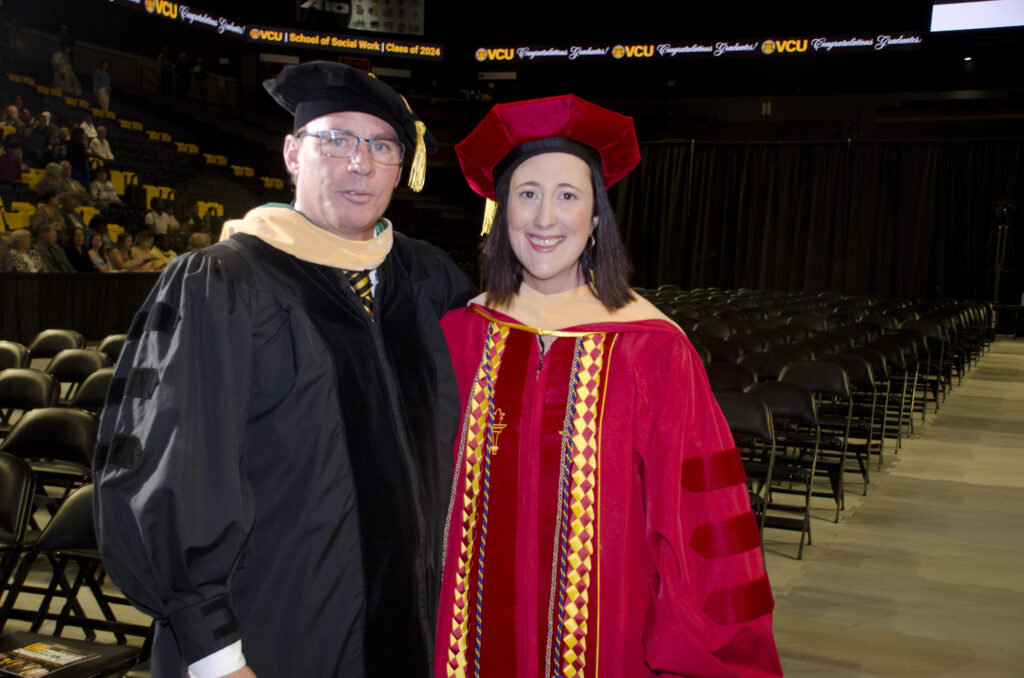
<point x="49" y="237"/>
<point x="346" y="196"/>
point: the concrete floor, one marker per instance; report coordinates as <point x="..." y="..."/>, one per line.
<point x="922" y="576"/>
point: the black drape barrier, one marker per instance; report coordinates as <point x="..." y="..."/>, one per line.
<point x="94" y="304"/>
<point x="895" y="218"/>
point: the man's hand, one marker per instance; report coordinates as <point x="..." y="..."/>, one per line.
<point x="244" y="672"/>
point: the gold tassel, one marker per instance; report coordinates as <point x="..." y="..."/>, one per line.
<point x="418" y="169"/>
<point x="490" y="209"/>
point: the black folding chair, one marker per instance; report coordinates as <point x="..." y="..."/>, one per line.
<point x="796" y="434"/>
<point x="23" y="389"/>
<point x="58" y="443"/>
<point x="72" y="366"/>
<point x="13" y="354"/>
<point x="17" y="484"/>
<point x="49" y="343"/>
<point x="729" y="376"/>
<point x="70" y="538"/>
<point x="750" y="422"/>
<point x="831" y="388"/>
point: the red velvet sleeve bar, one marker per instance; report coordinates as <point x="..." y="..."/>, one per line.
<point x="709" y="612"/>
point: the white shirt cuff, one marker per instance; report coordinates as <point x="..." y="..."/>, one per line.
<point x="220" y="663"/>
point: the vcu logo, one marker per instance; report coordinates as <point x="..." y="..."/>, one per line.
<point x="163" y="8"/>
<point x="632" y="51"/>
<point x="495" y="54"/>
<point x="772" y="46"/>
<point x="262" y="34"/>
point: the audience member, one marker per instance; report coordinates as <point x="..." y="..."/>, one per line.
<point x="165" y="63"/>
<point x="24" y="258"/>
<point x="142" y="250"/>
<point x="199" y="80"/>
<point x="48" y="214"/>
<point x="16" y="114"/>
<point x="161" y="252"/>
<point x="101" y="85"/>
<point x="101" y="191"/>
<point x="158" y="220"/>
<point x="77" y="253"/>
<point x="6" y="258"/>
<point x="72" y="219"/>
<point x="34" y="141"/>
<point x="53" y="180"/>
<point x="198" y="241"/>
<point x="69" y="183"/>
<point x="99" y="225"/>
<point x="98" y="253"/>
<point x="52" y="255"/>
<point x="100" y="145"/>
<point x="11" y="165"/>
<point x="122" y="256"/>
<point x="182" y="75"/>
<point x="64" y="77"/>
<point x="78" y="156"/>
<point x="88" y="127"/>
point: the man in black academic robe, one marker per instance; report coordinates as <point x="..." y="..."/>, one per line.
<point x="274" y="462"/>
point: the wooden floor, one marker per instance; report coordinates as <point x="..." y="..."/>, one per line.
<point x="923" y="577"/>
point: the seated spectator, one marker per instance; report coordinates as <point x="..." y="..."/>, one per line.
<point x="48" y="214"/>
<point x="101" y="191"/>
<point x="162" y="252"/>
<point x="101" y="85"/>
<point x="34" y="140"/>
<point x="25" y="259"/>
<point x="100" y="146"/>
<point x="11" y="165"/>
<point x="70" y="184"/>
<point x="99" y="225"/>
<point x="198" y="241"/>
<point x="52" y="255"/>
<point x="6" y="258"/>
<point x="98" y="253"/>
<point x="122" y="257"/>
<point x="158" y="220"/>
<point x="78" y="156"/>
<point x="143" y="249"/>
<point x="52" y="181"/>
<point x="77" y="253"/>
<point x="193" y="222"/>
<point x="16" y="114"/>
<point x="72" y="219"/>
<point x="88" y="127"/>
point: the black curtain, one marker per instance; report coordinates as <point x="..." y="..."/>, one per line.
<point x="894" y="218"/>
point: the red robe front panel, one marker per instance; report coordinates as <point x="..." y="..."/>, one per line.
<point x="600" y="523"/>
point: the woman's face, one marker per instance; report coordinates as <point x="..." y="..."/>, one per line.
<point x="78" y="237"/>
<point x="126" y="242"/>
<point x="22" y="244"/>
<point x="550" y="218"/>
<point x="96" y="242"/>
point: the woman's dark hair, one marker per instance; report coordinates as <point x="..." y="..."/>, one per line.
<point x="503" y="274"/>
<point x="45" y="196"/>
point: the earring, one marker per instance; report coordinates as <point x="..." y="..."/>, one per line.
<point x="593" y="240"/>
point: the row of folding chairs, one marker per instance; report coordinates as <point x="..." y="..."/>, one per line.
<point x="73" y="596"/>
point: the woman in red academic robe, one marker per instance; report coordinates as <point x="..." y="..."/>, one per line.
<point x="599" y="524"/>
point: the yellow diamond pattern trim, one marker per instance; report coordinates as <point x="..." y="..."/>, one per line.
<point x="583" y="486"/>
<point x="482" y="402"/>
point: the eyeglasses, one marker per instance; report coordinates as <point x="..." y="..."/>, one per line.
<point x="338" y="144"/>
